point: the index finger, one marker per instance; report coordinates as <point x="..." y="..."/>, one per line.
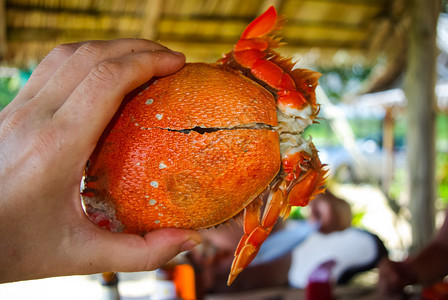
<point x="87" y="57"/>
<point x="90" y="107"/>
<point x="43" y="72"/>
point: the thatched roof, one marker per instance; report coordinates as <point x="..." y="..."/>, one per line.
<point x="322" y="32"/>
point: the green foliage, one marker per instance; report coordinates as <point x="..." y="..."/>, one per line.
<point x="445" y="6"/>
<point x="296" y="213"/>
<point x="442" y="158"/>
<point x="9" y="87"/>
<point x="397" y="184"/>
<point x="337" y="82"/>
<point x="357" y="218"/>
<point x="442" y="176"/>
<point x="321" y="133"/>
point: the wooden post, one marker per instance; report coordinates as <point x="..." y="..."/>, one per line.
<point x="388" y="147"/>
<point x="3" y="40"/>
<point x="151" y="16"/>
<point x="421" y="113"/>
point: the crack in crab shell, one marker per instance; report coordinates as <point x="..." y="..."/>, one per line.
<point x="152" y="173"/>
<point x="207" y="180"/>
<point x="203" y="95"/>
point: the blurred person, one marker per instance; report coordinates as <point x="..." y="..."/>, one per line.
<point x="333" y="213"/>
<point x="213" y="258"/>
<point x="352" y="249"/>
<point x="291" y="252"/>
<point x="47" y="134"/>
<point x="425" y="267"/>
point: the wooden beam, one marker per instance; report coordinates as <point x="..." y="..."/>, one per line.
<point x="266" y="3"/>
<point x="312" y="34"/>
<point x="65" y="35"/>
<point x="3" y="41"/>
<point x="151" y="16"/>
<point x="306" y="57"/>
<point x="421" y="110"/>
<point x="192" y="23"/>
<point x="375" y="3"/>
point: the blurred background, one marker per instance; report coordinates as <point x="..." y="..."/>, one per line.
<point x="367" y="51"/>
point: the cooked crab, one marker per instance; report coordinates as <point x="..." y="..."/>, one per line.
<point x="196" y="148"/>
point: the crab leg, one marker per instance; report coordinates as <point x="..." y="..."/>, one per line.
<point x="304" y="180"/>
<point x="302" y="175"/>
<point x="253" y="52"/>
<point x="311" y="185"/>
<point x="256" y="232"/>
<point x="305" y="173"/>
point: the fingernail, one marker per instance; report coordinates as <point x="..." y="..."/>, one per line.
<point x="189" y="244"/>
<point x="177" y="53"/>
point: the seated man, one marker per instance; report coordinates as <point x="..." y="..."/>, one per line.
<point x="353" y="250"/>
<point x="212" y="261"/>
<point x="326" y="236"/>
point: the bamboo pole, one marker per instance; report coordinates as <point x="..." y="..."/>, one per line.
<point x="421" y="112"/>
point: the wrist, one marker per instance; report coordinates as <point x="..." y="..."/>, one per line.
<point x="410" y="271"/>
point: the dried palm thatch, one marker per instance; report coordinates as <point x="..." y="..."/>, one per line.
<point x="321" y="32"/>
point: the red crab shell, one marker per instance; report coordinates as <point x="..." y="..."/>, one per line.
<point x="190" y="150"/>
<point x="196" y="148"/>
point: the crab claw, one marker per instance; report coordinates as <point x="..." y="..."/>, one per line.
<point x="256" y="231"/>
<point x="295" y="160"/>
<point x="262" y="25"/>
<point x="292" y="103"/>
<point x="305" y="173"/>
<point x="253" y="52"/>
<point x="305" y="176"/>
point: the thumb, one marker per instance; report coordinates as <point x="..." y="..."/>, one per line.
<point x="123" y="252"/>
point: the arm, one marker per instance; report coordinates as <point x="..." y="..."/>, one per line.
<point x="431" y="264"/>
<point x="427" y="266"/>
<point x="47" y="134"/>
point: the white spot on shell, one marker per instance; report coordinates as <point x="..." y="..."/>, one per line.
<point x="159" y="116"/>
<point x="162" y="165"/>
<point x="157" y="221"/>
<point x="160" y="214"/>
<point x="154" y="184"/>
<point x="138" y="164"/>
<point x="149" y="101"/>
<point x="152" y="202"/>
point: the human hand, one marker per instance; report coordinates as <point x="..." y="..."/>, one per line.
<point x="394" y="276"/>
<point x="425" y="267"/>
<point x="331" y="212"/>
<point x="47" y="134"/>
